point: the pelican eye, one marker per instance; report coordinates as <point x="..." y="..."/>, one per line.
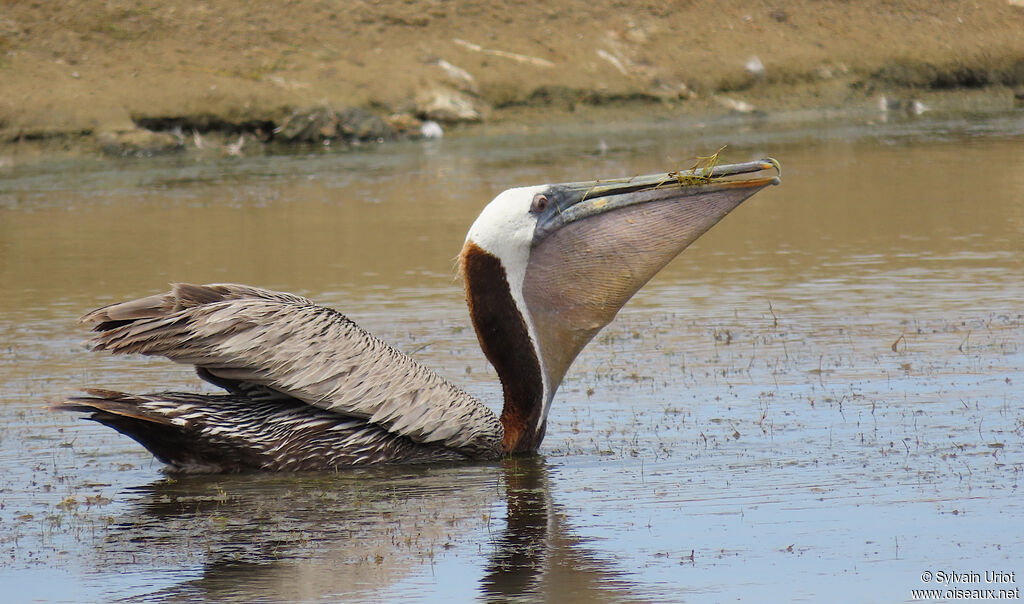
<point x="540" y="203"/>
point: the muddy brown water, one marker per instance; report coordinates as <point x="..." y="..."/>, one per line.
<point x="818" y="400"/>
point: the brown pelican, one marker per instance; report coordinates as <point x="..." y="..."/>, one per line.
<point x="545" y="268"/>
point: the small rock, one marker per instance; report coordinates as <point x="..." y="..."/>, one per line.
<point x="735" y="104"/>
<point x="909" y="106"/>
<point x="446" y="106"/>
<point x="404" y="124"/>
<point x="308" y="126"/>
<point x="319" y="124"/>
<point x="431" y="129"/>
<point x="828" y="71"/>
<point x="755" y="67"/>
<point x="364" y="126"/>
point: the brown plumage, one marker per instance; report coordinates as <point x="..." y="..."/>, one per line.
<point x="545" y="269"/>
<point x="300" y="375"/>
<point x="201" y="433"/>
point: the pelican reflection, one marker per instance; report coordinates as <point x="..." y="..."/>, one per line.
<point x="361" y="535"/>
<point x="538" y="556"/>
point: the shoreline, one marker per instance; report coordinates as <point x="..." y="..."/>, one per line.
<point x="130" y="79"/>
<point x="142" y="143"/>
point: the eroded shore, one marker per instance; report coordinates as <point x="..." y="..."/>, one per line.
<point x="130" y="77"/>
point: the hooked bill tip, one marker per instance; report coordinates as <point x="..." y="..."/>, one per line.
<point x="771" y="162"/>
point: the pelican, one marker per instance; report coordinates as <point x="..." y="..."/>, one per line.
<point x="545" y="268"/>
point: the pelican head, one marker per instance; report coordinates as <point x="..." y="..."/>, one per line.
<point x="546" y="267"/>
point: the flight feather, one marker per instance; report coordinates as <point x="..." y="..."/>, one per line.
<point x="239" y="336"/>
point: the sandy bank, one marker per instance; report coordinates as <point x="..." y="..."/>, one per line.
<point x="85" y="73"/>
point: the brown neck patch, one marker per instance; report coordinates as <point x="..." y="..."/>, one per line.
<point x="505" y="340"/>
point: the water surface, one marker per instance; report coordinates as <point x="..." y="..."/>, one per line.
<point x="818" y="400"/>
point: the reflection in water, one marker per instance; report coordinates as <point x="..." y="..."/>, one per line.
<point x="354" y="534"/>
<point x="538" y="556"/>
<point x="522" y="551"/>
<point x="291" y="538"/>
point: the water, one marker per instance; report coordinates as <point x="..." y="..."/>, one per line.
<point x="818" y="401"/>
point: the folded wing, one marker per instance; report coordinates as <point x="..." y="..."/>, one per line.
<point x="241" y="337"/>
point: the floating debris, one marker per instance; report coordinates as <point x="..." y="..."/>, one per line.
<point x="700" y="173"/>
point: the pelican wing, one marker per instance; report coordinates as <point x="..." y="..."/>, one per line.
<point x="238" y="335"/>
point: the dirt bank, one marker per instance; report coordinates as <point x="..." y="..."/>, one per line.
<point x="80" y="71"/>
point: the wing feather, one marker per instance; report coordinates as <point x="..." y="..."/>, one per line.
<point x="287" y="343"/>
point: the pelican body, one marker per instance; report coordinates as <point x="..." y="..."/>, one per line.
<point x="544" y="267"/>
